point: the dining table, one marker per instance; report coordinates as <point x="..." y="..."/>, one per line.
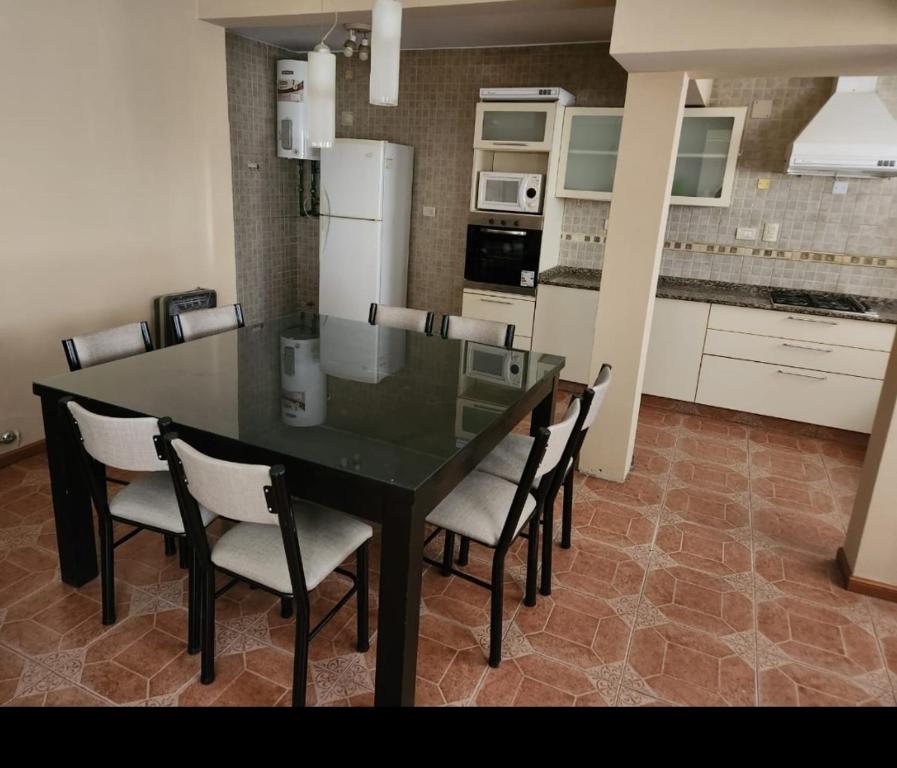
<point x="377" y="422"/>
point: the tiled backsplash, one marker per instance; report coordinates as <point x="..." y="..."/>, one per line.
<point x="862" y="222"/>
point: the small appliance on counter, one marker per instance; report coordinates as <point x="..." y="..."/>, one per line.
<point x="503" y="250"/>
<point x="164" y="307"/>
<point x="513" y="192"/>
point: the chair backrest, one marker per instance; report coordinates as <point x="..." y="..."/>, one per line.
<point x="599" y="390"/>
<point x="232" y="490"/>
<point x="404" y="318"/>
<point x="206" y="322"/>
<point x="104" y="346"/>
<point x="482" y="331"/>
<point x="130" y="444"/>
<point x="559" y="438"/>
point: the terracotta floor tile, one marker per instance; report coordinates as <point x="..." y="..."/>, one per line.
<point x="785" y="493"/>
<point x="250" y="690"/>
<point x="150" y="653"/>
<point x="808" y="532"/>
<point x="174" y="675"/>
<point x="119" y="637"/>
<point x="798" y="685"/>
<point x="804" y="575"/>
<point x="726" y="452"/>
<point x="463" y="675"/>
<point x="433" y="659"/>
<point x="72" y="697"/>
<point x="616" y="524"/>
<point x="29" y="637"/>
<point x="715" y="510"/>
<point x="500" y="686"/>
<point x="658" y="438"/>
<point x="29" y="559"/>
<point x="714" y="429"/>
<point x="114" y="681"/>
<point x="446" y="632"/>
<point x="710" y="475"/>
<point x="638" y="490"/>
<point x="227" y="668"/>
<point x="572" y="625"/>
<point x="68" y="613"/>
<point x="533" y="693"/>
<point x="704" y="548"/>
<point x="427" y="694"/>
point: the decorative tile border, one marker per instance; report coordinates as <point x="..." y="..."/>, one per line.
<point x="813" y="257"/>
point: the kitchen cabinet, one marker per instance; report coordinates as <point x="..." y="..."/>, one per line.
<point x="675" y="349"/>
<point x="515" y="127"/>
<point x="565" y="325"/>
<point x="709" y="144"/>
<point x="589" y="146"/>
<point x="508" y="308"/>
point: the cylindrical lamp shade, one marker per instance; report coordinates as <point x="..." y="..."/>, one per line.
<point x="386" y="40"/>
<point x="321" y="97"/>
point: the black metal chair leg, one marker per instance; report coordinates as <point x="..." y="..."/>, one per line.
<point x="286" y="607"/>
<point x="496" y="608"/>
<point x="361" y="597"/>
<point x="183" y="553"/>
<point x="567" y="524"/>
<point x="464" y="551"/>
<point x="208" y="626"/>
<point x="300" y="657"/>
<point x="107" y="570"/>
<point x="170" y="545"/>
<point x="547" y="546"/>
<point x="447" y="553"/>
<point x="532" y="560"/>
<point x="194" y="603"/>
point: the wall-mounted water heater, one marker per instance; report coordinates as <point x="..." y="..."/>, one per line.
<point x="292" y="112"/>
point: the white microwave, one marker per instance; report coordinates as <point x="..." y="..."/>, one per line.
<point x="495" y="364"/>
<point x="520" y="192"/>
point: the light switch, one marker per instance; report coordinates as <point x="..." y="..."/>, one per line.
<point x="839" y="187"/>
<point x="770" y="233"/>
<point x="347" y="118"/>
<point x="761" y="108"/>
<point x="746" y="233"/>
<point x="429" y="212"/>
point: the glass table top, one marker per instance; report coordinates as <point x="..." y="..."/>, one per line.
<point x="382" y="403"/>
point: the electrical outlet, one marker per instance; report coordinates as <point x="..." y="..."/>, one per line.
<point x="347" y="119"/>
<point x="429" y="212"/>
<point x="839" y="187"/>
<point x="770" y="233"/>
<point x="746" y="233"/>
<point x="761" y="108"/>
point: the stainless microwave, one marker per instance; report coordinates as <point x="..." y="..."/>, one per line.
<point x="512" y="192"/>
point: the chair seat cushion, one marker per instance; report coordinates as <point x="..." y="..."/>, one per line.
<point x="151" y="500"/>
<point x="326" y="538"/>
<point x="508" y="458"/>
<point x="479" y="507"/>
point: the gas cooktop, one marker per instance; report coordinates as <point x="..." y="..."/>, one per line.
<point x="830" y="302"/>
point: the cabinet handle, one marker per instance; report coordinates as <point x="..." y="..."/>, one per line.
<point x="497" y="301"/>
<point x="807" y="320"/>
<point x="511" y="143"/>
<point x="803" y="375"/>
<point x="809" y="349"/>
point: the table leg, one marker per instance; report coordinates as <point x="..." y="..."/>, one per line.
<point x="71" y="500"/>
<point x="398" y="614"/>
<point x="543" y="414"/>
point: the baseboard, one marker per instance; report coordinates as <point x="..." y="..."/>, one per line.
<point x="864" y="586"/>
<point x="23" y="453"/>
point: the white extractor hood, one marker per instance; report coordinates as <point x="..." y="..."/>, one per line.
<point x="854" y="134"/>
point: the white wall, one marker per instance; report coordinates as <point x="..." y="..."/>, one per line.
<point x="115" y="175"/>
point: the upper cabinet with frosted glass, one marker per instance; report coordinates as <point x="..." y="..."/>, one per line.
<point x="705" y="165"/>
<point x="515" y="127"/>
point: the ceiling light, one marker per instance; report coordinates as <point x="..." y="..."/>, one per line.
<point x="386" y="39"/>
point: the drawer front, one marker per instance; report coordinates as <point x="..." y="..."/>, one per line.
<point x="788" y="325"/>
<point x="827" y="399"/>
<point x="502" y="308"/>
<point x="798" y="354"/>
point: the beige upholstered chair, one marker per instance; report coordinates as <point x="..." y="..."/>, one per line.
<point x="282" y="545"/>
<point x="403" y="318"/>
<point x="105" y="346"/>
<point x="149" y="503"/>
<point x="493" y="512"/>
<point x="206" y="322"/>
<point x="482" y="331"/>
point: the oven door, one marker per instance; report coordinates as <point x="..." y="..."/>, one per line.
<point x="502" y="256"/>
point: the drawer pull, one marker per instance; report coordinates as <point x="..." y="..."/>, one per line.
<point x="803" y="375"/>
<point x="510" y="143"/>
<point x="808" y="320"/>
<point x="809" y="349"/>
<point x="497" y="301"/>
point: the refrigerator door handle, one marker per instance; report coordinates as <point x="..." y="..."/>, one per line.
<point x="325" y="201"/>
<point x="325" y="231"/>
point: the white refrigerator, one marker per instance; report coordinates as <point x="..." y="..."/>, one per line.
<point x="365" y="224"/>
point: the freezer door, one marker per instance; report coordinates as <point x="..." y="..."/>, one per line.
<point x="350" y="267"/>
<point x="352" y="179"/>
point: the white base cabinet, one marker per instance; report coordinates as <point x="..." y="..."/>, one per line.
<point x="565" y="325"/>
<point x="675" y="349"/>
<point x="509" y="308"/>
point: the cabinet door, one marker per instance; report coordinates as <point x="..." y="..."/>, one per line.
<point x="589" y="148"/>
<point x="501" y="308"/>
<point x="708" y="152"/>
<point x="514" y="127"/>
<point x="565" y="326"/>
<point x="675" y="349"/>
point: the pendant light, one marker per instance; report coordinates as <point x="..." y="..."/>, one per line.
<point x="322" y="95"/>
<point x="386" y="39"/>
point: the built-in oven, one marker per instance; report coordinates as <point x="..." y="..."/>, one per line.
<point x="494" y="365"/>
<point x="503" y="249"/>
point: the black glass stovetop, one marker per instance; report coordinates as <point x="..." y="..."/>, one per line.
<point x="832" y="302"/>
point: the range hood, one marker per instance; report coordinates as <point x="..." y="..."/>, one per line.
<point x="854" y="134"/>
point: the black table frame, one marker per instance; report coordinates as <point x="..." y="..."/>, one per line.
<point x="401" y="514"/>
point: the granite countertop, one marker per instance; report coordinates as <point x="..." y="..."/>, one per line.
<point x="733" y="294"/>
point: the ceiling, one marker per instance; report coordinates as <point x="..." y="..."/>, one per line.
<point x="529" y="23"/>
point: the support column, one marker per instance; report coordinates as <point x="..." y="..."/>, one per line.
<point x="636" y="227"/>
<point x="868" y="559"/>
